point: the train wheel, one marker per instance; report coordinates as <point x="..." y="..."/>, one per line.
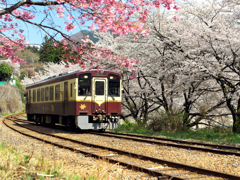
<point x="102" y="130"/>
<point x="42" y="120"/>
<point x="52" y="122"/>
<point x="38" y="119"/>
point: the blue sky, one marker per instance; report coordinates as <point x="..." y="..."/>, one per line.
<point x="35" y="35"/>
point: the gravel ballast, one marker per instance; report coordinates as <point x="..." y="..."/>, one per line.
<point x="71" y="163"/>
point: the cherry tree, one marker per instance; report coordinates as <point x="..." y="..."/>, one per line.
<point x="216" y="42"/>
<point x="189" y="60"/>
<point x="105" y="15"/>
<point x="50" y="69"/>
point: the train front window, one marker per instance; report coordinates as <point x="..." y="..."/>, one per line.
<point x="114" y="85"/>
<point x="99" y="87"/>
<point x="84" y="84"/>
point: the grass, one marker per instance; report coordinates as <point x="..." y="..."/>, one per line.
<point x="10" y="113"/>
<point x="35" y="165"/>
<point x="214" y="135"/>
<point x="4" y="114"/>
<point x="15" y="165"/>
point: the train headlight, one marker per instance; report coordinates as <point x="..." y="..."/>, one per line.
<point x="111" y="77"/>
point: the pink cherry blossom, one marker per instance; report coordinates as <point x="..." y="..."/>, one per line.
<point x="92" y="27"/>
<point x="176" y="18"/>
<point x="69" y="26"/>
<point x="106" y="15"/>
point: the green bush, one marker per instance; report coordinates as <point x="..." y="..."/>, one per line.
<point x="22" y="75"/>
<point x="167" y="122"/>
<point x="5" y="70"/>
<point x="21" y="88"/>
<point x="19" y="85"/>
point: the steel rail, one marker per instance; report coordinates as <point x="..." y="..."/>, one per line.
<point x="189" y="147"/>
<point x="176" y="140"/>
<point x="143" y="157"/>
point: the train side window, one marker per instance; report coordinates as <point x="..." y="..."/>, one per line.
<point x="38" y="94"/>
<point x="51" y="92"/>
<point x="84" y="84"/>
<point x="42" y="94"/>
<point x="34" y="95"/>
<point x="29" y="96"/>
<point x="71" y="90"/>
<point x="57" y="92"/>
<point x="46" y="93"/>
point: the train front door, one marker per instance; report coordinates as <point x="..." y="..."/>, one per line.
<point x="65" y="103"/>
<point x="99" y="95"/>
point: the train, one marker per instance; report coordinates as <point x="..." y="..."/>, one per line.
<point x="85" y="100"/>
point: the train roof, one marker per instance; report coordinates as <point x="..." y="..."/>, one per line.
<point x="67" y="75"/>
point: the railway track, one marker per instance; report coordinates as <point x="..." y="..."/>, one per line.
<point x="213" y="148"/>
<point x="189" y="145"/>
<point x="159" y="168"/>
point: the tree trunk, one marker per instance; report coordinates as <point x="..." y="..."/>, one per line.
<point x="236" y="119"/>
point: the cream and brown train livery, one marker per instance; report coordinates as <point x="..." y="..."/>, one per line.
<point x="81" y="99"/>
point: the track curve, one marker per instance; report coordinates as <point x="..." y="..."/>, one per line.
<point x="138" y="156"/>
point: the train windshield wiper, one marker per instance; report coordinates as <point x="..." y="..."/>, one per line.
<point x="111" y="95"/>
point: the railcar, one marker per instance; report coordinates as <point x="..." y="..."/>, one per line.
<point x="81" y="99"/>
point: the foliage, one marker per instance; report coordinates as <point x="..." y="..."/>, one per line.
<point x="132" y="128"/>
<point x="167" y="122"/>
<point x="224" y="136"/>
<point x="188" y="62"/>
<point x="22" y="75"/>
<point x="22" y="90"/>
<point x="116" y="16"/>
<point x="19" y="85"/>
<point x="4" y="114"/>
<point x="206" y="134"/>
<point x="11" y="161"/>
<point x="5" y="70"/>
<point x="34" y="49"/>
<point x="49" y="53"/>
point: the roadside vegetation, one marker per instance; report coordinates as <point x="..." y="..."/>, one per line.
<point x="15" y="165"/>
<point x="213" y="135"/>
<point x="33" y="165"/>
<point x="171" y="126"/>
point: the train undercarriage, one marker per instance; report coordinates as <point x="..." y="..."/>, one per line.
<point x="78" y="122"/>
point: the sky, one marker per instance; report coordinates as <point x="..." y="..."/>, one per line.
<point x="35" y="35"/>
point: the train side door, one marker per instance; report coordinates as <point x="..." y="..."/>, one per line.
<point x="65" y="103"/>
<point x="99" y="95"/>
